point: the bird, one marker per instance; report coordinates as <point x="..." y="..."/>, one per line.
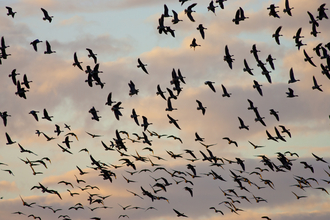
<point x="273" y="11"/>
<point x="257" y="86"/>
<point x="292" y="78"/>
<point x="201" y="107"/>
<point x="198" y="138"/>
<point x="76" y="62"/>
<point x="160" y="92"/>
<point x="9" y="141"/>
<point x="285" y="130"/>
<point x="179" y="214"/>
<point x="132" y="89"/>
<point x="173" y="121"/>
<point x="270" y="137"/>
<point x="169" y="105"/>
<point x="247" y="68"/>
<point x="175" y="19"/>
<point x="142" y="65"/>
<point x="230" y="141"/>
<point x="201" y="30"/>
<point x="93" y="135"/>
<point x="135" y="117"/>
<point x="307" y="166"/>
<point x="48" y="49"/>
<point x="189" y="10"/>
<point x="145" y="123"/>
<point x="270" y="61"/>
<point x="298" y="197"/>
<point x="277" y="34"/>
<point x="10" y="12"/>
<point x="210" y="84"/>
<point x="242" y="125"/>
<point x="312" y="19"/>
<point x="255" y="146"/>
<point x="319" y="158"/>
<point x="316" y="86"/>
<point x="225" y="93"/>
<point x="308" y="59"/>
<point x="287" y="8"/>
<point x="166" y="14"/>
<point x="291" y="94"/>
<point x="211" y="7"/>
<point x="4" y="116"/>
<point x="322" y="13"/>
<point x="228" y="58"/>
<point x="273" y="112"/>
<point x="46" y="16"/>
<point x="314" y="32"/>
<point x="194" y="44"/>
<point x="92" y="55"/>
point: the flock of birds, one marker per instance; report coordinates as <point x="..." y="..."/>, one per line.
<point x="242" y="179"/>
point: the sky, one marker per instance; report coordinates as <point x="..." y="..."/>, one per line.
<point x="120" y="33"/>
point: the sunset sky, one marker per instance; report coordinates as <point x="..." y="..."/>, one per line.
<point x="120" y="32"/>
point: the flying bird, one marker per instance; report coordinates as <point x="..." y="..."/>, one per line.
<point x="189" y="10"/>
<point x="173" y="121"/>
<point x="201" y="107"/>
<point x="10" y="12"/>
<point x="287" y="8"/>
<point x="46" y="16"/>
<point x="142" y="65"/>
<point x="316" y="86"/>
<point x="228" y="58"/>
<point x="48" y="49"/>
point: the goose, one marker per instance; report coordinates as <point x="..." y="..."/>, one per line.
<point x="273" y="11"/>
<point x="201" y="107"/>
<point x="173" y="121"/>
<point x="189" y="10"/>
<point x="273" y="112"/>
<point x="322" y="13"/>
<point x="175" y="19"/>
<point x="46" y="115"/>
<point x="210" y="84"/>
<point x="160" y="92"/>
<point x="292" y="78"/>
<point x="165" y="14"/>
<point x="48" y="49"/>
<point x="312" y="19"/>
<point x="13" y="75"/>
<point x="26" y="81"/>
<point x="194" y="44"/>
<point x="46" y="16"/>
<point x="287" y="8"/>
<point x="92" y="55"/>
<point x="76" y="62"/>
<point x="211" y="7"/>
<point x="169" y="105"/>
<point x="201" y="30"/>
<point x="277" y="35"/>
<point x="228" y="58"/>
<point x="10" y="12"/>
<point x="34" y="44"/>
<point x="314" y="32"/>
<point x="270" y="61"/>
<point x="225" y="93"/>
<point x="109" y="99"/>
<point x="291" y="94"/>
<point x="9" y="141"/>
<point x="247" y="68"/>
<point x="316" y="86"/>
<point x="257" y="86"/>
<point x="142" y="66"/>
<point x="242" y="125"/>
<point x="135" y="117"/>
